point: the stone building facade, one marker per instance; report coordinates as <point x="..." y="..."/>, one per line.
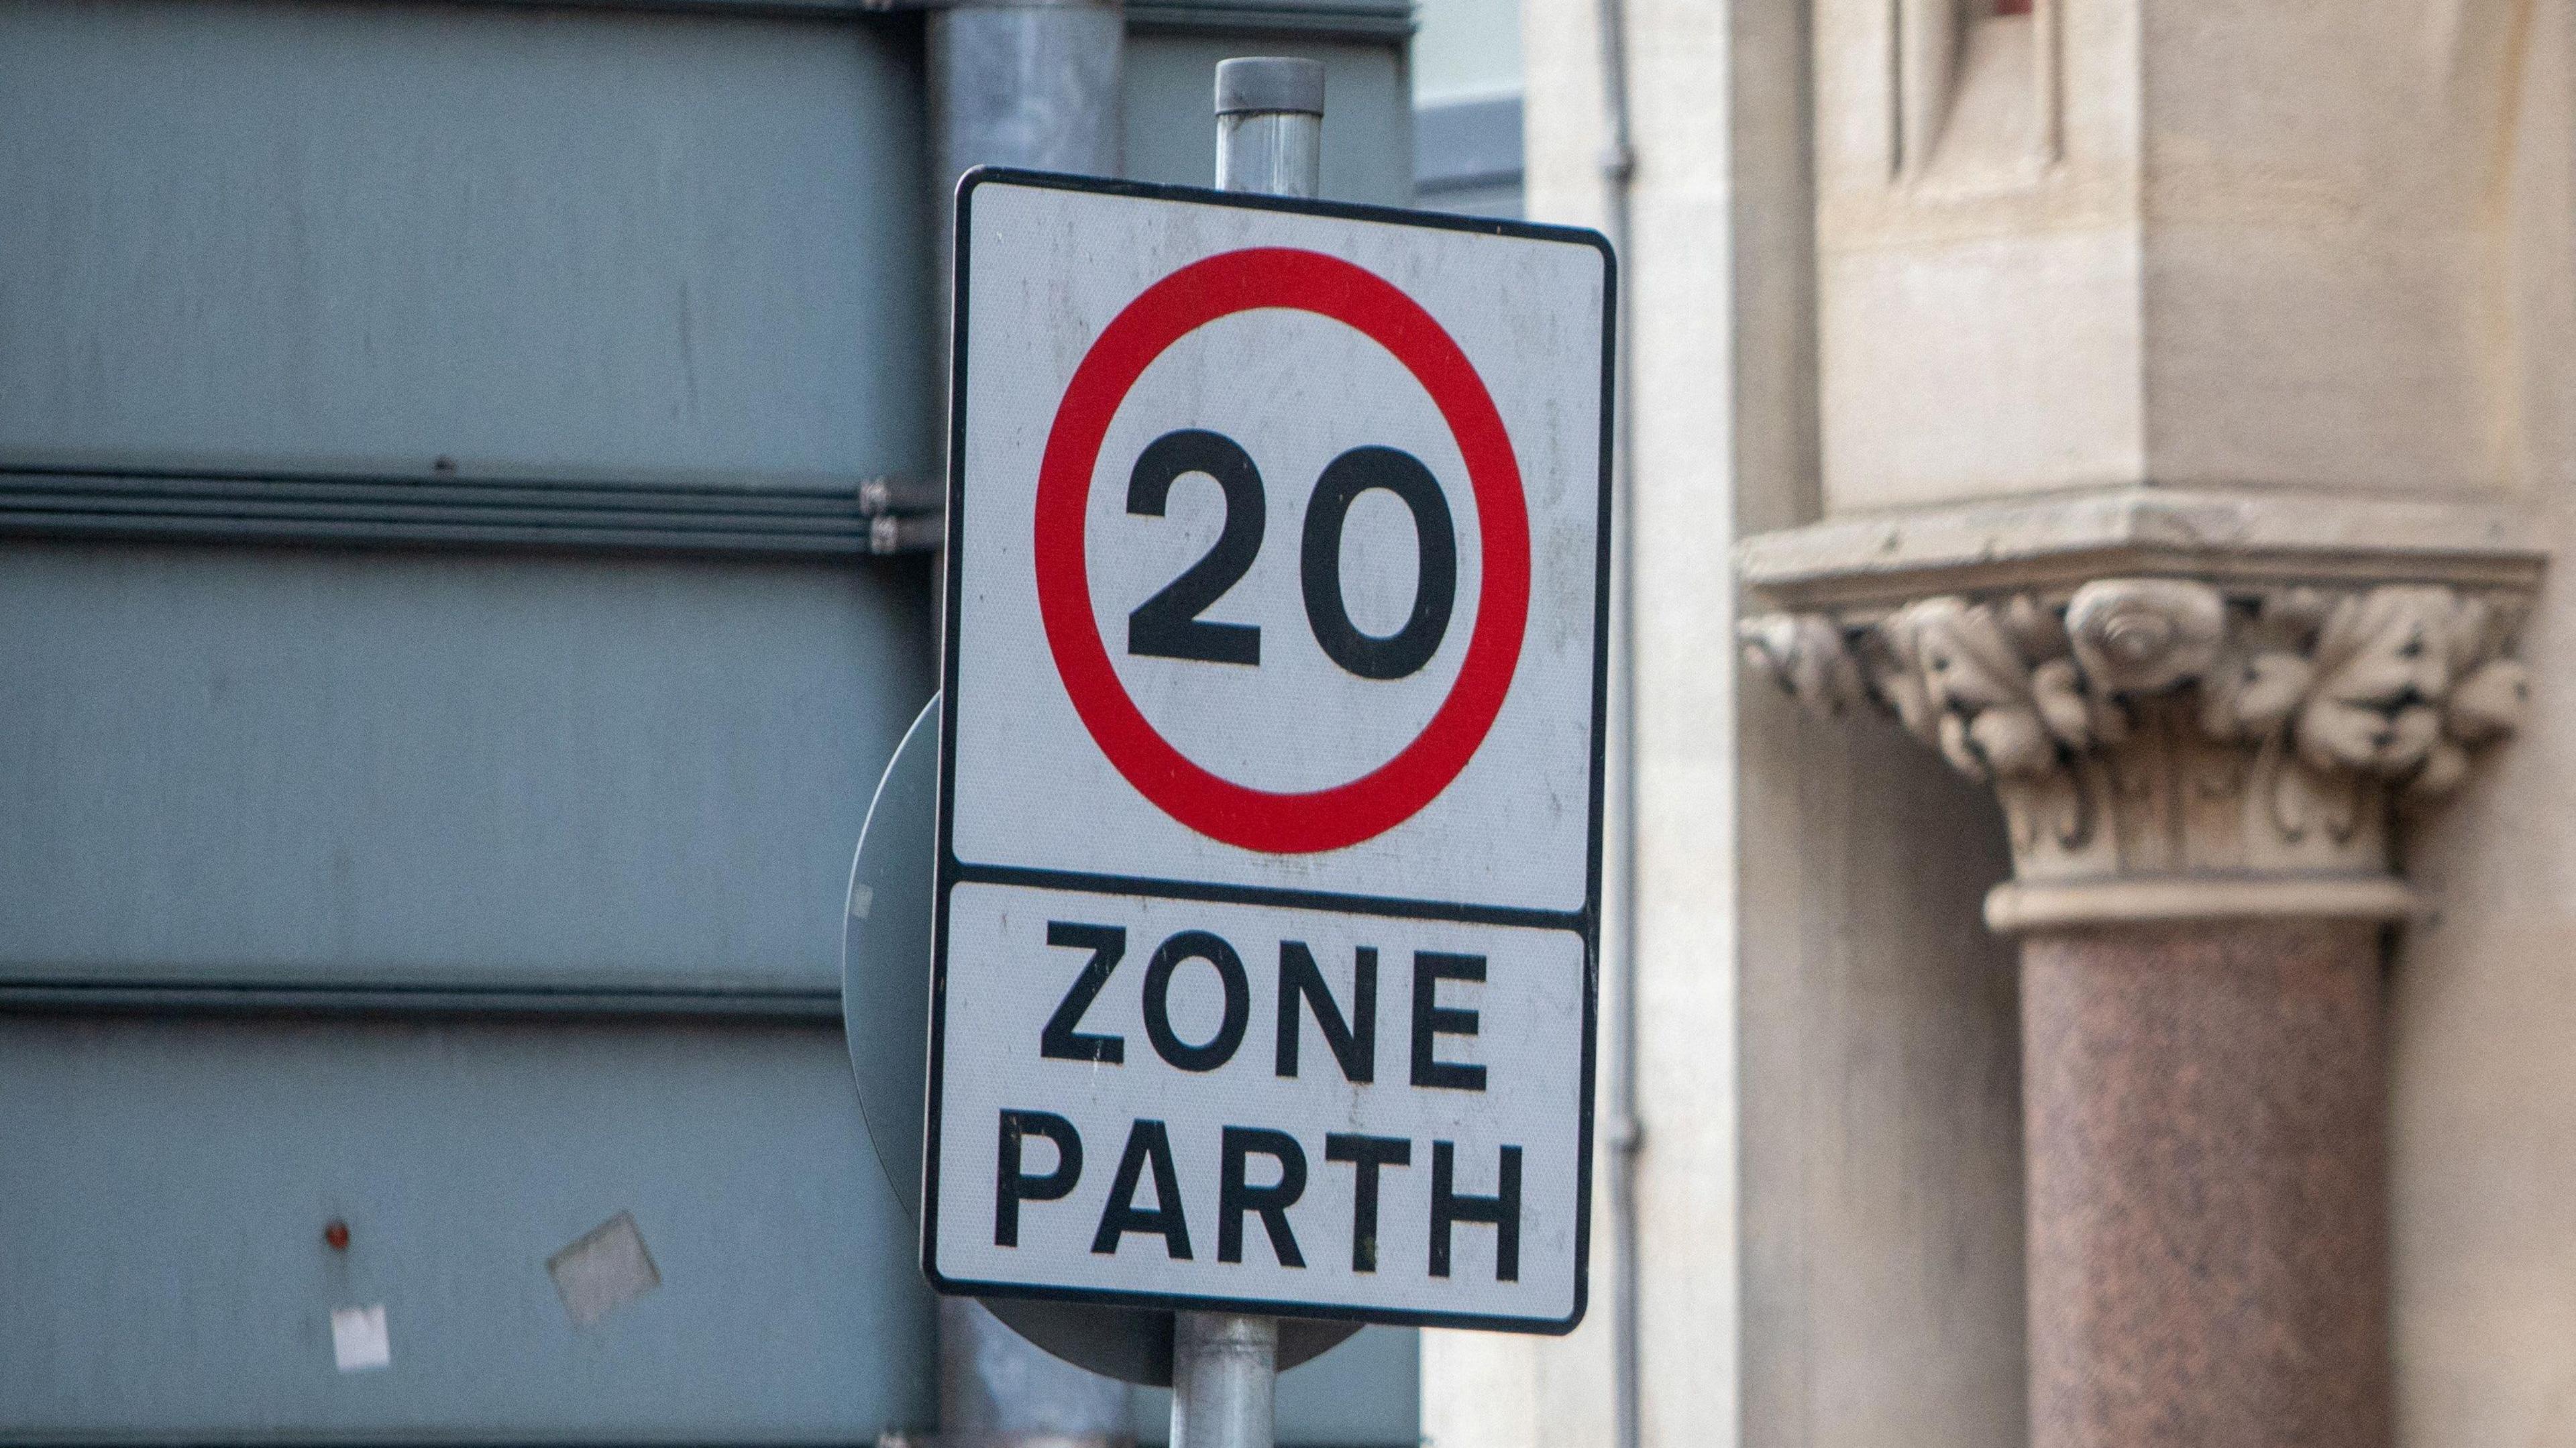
<point x="2113" y="990"/>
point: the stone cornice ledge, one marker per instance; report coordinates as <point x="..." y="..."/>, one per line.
<point x="2053" y="543"/>
<point x="2192" y="706"/>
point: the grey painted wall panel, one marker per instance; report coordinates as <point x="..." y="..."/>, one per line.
<point x="295" y="235"/>
<point x="376" y="767"/>
<point x="280" y="237"/>
<point x="1503" y="200"/>
<point x="1368" y="112"/>
<point x="164" y="1188"/>
<point x="1467" y="157"/>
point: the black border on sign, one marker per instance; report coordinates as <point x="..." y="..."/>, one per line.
<point x="1585" y="922"/>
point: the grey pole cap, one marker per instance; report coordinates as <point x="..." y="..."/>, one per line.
<point x="1269" y="83"/>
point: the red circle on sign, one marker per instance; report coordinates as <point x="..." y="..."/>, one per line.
<point x="1255" y="819"/>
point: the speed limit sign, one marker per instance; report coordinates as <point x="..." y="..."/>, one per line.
<point x="1271" y="770"/>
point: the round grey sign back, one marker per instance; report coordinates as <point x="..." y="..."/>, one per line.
<point x="885" y="1009"/>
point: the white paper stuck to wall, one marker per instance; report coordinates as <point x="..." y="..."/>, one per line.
<point x="358" y="1340"/>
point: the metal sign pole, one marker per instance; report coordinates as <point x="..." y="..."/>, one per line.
<point x="1270" y="125"/>
<point x="1269" y="140"/>
<point x="1224" y="1373"/>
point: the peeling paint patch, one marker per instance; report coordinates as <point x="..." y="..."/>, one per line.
<point x="358" y="1339"/>
<point x="603" y="1270"/>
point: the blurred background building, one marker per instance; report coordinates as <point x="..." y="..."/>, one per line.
<point x="449" y="644"/>
<point x="1467" y="106"/>
<point x="2163" y="410"/>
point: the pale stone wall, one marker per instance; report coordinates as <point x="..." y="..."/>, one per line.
<point x="2118" y="242"/>
<point x="1491" y="1392"/>
<point x="2228" y="246"/>
<point x="1880" y="1116"/>
<point x="2483" y="1119"/>
<point x="2323" y="248"/>
<point x="1882" y="1195"/>
<point x="1977" y="239"/>
<point x="2322" y="189"/>
<point x="1809" y="897"/>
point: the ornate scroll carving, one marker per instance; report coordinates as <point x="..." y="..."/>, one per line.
<point x="2161" y="725"/>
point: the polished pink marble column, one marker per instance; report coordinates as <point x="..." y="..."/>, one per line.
<point x="2207" y="1196"/>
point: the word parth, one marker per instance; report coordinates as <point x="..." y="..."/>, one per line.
<point x="1147" y="1157"/>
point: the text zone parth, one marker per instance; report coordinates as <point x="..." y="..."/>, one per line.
<point x="1288" y="1108"/>
<point x="1145" y="1164"/>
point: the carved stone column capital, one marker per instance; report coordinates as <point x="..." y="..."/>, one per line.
<point x="2187" y="743"/>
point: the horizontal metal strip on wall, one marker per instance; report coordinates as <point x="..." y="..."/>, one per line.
<point x="1467" y="143"/>
<point x="27" y="997"/>
<point x="836" y="520"/>
<point x="1377" y="22"/>
<point x="1363" y="20"/>
<point x="753" y="9"/>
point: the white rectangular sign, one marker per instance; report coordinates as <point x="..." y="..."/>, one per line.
<point x="1270" y="798"/>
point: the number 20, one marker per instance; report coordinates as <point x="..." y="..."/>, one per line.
<point x="1168" y="625"/>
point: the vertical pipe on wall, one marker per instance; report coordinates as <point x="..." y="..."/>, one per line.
<point x="1625" y="1134"/>
<point x="1033" y="85"/>
<point x="1022" y="84"/>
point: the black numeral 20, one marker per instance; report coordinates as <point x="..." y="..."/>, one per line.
<point x="1168" y="625"/>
